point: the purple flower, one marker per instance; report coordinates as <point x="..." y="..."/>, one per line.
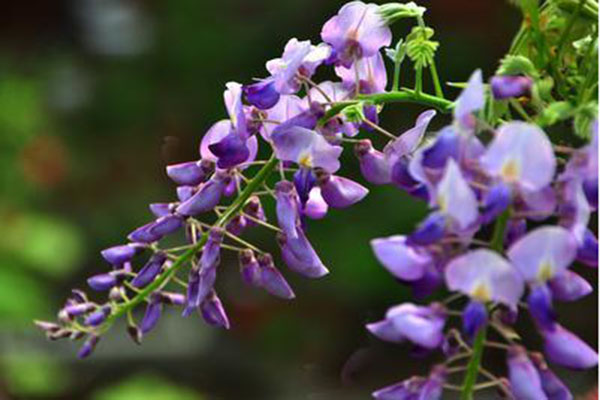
<point x="149" y="271"/>
<point x="370" y="72"/>
<point x="340" y="192"/>
<point x="316" y="207"/>
<point x="166" y="225"/>
<point x="102" y="282"/>
<point x="543" y="253"/>
<point x="190" y="173"/>
<point x="521" y="154"/>
<point x="540" y="306"/>
<point x="416" y="388"/>
<point x="118" y="255"/>
<point x="507" y="86"/>
<point x="152" y="314"/>
<point x="568" y="286"/>
<point x="455" y="198"/>
<point x="474" y="317"/>
<point x="587" y="252"/>
<point x="553" y="387"/>
<point x="299" y="58"/>
<point x="299" y="255"/>
<point x="525" y="382"/>
<point x="496" y="200"/>
<point x="88" y="346"/>
<point x="374" y="164"/>
<point x="97" y="317"/>
<point x="161" y="209"/>
<point x="304" y="181"/>
<point x="405" y="262"/>
<point x="407" y="142"/>
<point x="206" y="198"/>
<point x="357" y="31"/>
<point x="574" y="210"/>
<point x="470" y="100"/>
<point x="249" y="268"/>
<point x="564" y="348"/>
<point x="212" y="311"/>
<point x="272" y="280"/>
<point x="429" y="230"/>
<point x="287" y="208"/>
<point x="254" y="209"/>
<point x="262" y="94"/>
<point x="73" y="310"/>
<point x="306" y="148"/>
<point x="288" y="107"/>
<point x="420" y="325"/>
<point x="485" y="276"/>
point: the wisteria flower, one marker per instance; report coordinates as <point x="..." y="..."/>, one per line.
<point x="357" y="31"/>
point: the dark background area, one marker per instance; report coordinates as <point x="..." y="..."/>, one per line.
<point x="96" y="97"/>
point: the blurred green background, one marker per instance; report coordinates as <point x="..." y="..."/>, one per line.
<point x="96" y="97"/>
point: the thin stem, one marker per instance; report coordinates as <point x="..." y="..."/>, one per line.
<point x="379" y="129"/>
<point x="436" y="80"/>
<point x="396" y="83"/>
<point x="520" y="110"/>
<point x="419" y="81"/>
<point x="402" y="96"/>
<point x="227" y="215"/>
<point x="473" y="366"/>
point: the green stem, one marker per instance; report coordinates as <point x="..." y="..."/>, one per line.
<point x="436" y="80"/>
<point x="419" y="81"/>
<point x="473" y="366"/>
<point x="396" y="83"/>
<point x="227" y="215"/>
<point x="497" y="243"/>
<point x="402" y="96"/>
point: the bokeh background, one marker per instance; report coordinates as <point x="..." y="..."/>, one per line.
<point x="96" y="97"/>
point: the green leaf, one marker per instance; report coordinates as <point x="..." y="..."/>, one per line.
<point x="584" y="118"/>
<point x="392" y="12"/>
<point x="517" y="65"/>
<point x="555" y="112"/>
<point x="354" y="112"/>
<point x="146" y="387"/>
<point x="421" y="52"/>
<point x="397" y="54"/>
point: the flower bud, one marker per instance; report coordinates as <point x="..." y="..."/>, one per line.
<point x="117" y="255"/>
<point x="88" y="347"/>
<point x="249" y="268"/>
<point x="187" y="173"/>
<point x="506" y="86"/>
<point x="339" y="192"/>
<point x="97" y="317"/>
<point x="213" y="312"/>
<point x="272" y="280"/>
<point x="149" y="271"/>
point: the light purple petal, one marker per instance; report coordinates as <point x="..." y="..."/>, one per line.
<point x="568" y="286"/>
<point x="485" y="276"/>
<point x="356" y="31"/>
<point x="288" y="107"/>
<point x="522" y="154"/>
<point x="564" y="348"/>
<point x="470" y="100"/>
<point x="371" y="72"/>
<point x="315" y="207"/>
<point x="340" y="192"/>
<point x="421" y="325"/>
<point x="543" y="253"/>
<point x="401" y="260"/>
<point x="409" y="140"/>
<point x="455" y="198"/>
<point x="306" y="148"/>
<point x="525" y="382"/>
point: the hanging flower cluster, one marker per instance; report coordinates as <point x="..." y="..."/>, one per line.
<point x="506" y="227"/>
<point x="509" y="210"/>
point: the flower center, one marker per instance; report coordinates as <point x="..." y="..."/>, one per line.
<point x="481" y="293"/>
<point x="510" y="170"/>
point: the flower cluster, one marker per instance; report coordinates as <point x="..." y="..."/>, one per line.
<point x="539" y="214"/>
<point x="509" y="210"/>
